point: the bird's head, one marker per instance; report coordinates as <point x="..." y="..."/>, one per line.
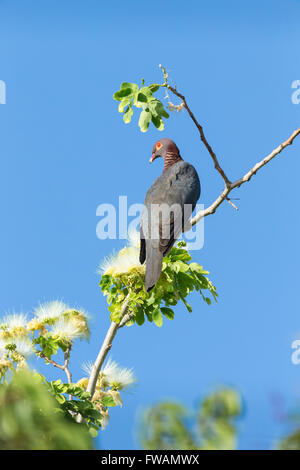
<point x="163" y="147"/>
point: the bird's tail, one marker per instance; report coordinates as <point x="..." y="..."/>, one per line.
<point x="153" y="267"/>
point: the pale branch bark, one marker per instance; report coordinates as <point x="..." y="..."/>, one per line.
<point x="236" y="184"/>
<point x="106" y="345"/>
<point x="55" y="364"/>
<point x="126" y="319"/>
<point x="64" y="367"/>
<point x="104" y="350"/>
<point x="231" y="203"/>
<point x="229" y="186"/>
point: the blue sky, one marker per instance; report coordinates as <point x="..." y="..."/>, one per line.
<point x="64" y="150"/>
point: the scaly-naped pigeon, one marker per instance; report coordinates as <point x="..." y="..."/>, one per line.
<point x="168" y="206"/>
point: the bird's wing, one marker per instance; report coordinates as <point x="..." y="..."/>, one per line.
<point x="169" y="204"/>
<point x="143" y="245"/>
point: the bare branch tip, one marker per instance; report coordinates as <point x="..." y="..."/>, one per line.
<point x="231" y="203"/>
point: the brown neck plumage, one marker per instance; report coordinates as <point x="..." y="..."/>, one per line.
<point x="170" y="159"/>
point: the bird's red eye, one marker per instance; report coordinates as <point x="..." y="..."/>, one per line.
<point x="158" y="145"/>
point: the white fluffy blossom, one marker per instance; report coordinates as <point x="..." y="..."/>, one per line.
<point x="3" y="349"/>
<point x="66" y="329"/>
<point x="87" y="367"/>
<point x="23" y="346"/>
<point x="116" y="376"/>
<point x="50" y="310"/>
<point x="126" y="260"/>
<point x="134" y="238"/>
<point x="15" y="320"/>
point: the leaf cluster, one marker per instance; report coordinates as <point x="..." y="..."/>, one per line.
<point x="72" y="400"/>
<point x="179" y="278"/>
<point x="152" y="109"/>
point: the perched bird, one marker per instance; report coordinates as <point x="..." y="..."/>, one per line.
<point x="168" y="206"/>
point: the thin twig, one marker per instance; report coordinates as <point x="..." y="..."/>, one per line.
<point x="55" y="364"/>
<point x="229" y="186"/>
<point x="231" y="203"/>
<point x="64" y="367"/>
<point x="236" y="184"/>
<point x="199" y="127"/>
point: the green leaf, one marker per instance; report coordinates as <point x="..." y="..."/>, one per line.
<point x="114" y="315"/>
<point x="49" y="344"/>
<point x="157" y="317"/>
<point x="168" y="312"/>
<point x="125" y="93"/>
<point x="198" y="268"/>
<point x="189" y="308"/>
<point x="180" y="266"/>
<point x="158" y="122"/>
<point x="145" y="95"/>
<point x="145" y="119"/>
<point x="130" y="322"/>
<point x="133" y="86"/>
<point x="123" y="104"/>
<point x="179" y="254"/>
<point x="139" y="316"/>
<point x="142" y="98"/>
<point x="128" y="114"/>
<point x="108" y="401"/>
<point x="60" y="398"/>
<point x="157" y="109"/>
<point x="154" y="87"/>
<point x="127" y="90"/>
<point x="151" y="298"/>
<point x="186" y="282"/>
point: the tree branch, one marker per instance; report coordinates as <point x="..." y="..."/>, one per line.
<point x="236" y="184"/>
<point x="64" y="367"/>
<point x="229" y="186"/>
<point x="105" y="348"/>
<point x="199" y="127"/>
<point x="55" y="364"/>
<point x="111" y="333"/>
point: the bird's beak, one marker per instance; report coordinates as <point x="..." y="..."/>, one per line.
<point x="152" y="158"/>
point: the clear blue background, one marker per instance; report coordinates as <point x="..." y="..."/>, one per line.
<point x="64" y="150"/>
